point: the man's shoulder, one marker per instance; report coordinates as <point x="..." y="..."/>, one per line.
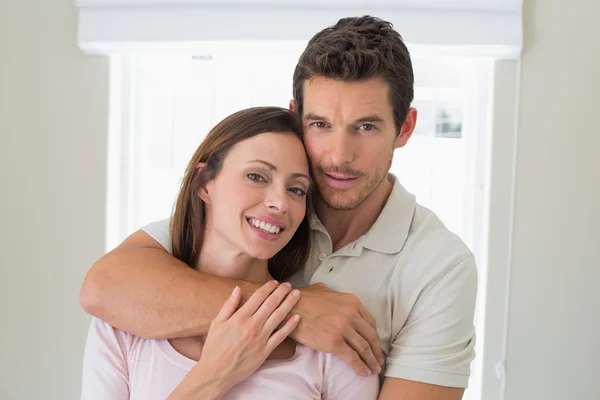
<point x="431" y="249"/>
<point x="428" y="231"/>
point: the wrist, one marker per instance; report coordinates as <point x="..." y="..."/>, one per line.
<point x="202" y="384"/>
<point x="248" y="289"/>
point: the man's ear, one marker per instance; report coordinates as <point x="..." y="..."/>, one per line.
<point x="407" y="128"/>
<point x="293" y="106"/>
<point x="203" y="192"/>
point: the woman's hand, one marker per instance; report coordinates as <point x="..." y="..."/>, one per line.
<point x="238" y="342"/>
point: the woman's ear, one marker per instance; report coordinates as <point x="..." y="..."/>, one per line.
<point x="203" y="192"/>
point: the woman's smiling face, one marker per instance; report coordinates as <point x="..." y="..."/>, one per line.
<point x="258" y="199"/>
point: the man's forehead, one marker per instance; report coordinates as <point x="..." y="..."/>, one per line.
<point x="375" y="85"/>
<point x="354" y="99"/>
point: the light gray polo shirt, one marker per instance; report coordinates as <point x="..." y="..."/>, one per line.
<point x="417" y="279"/>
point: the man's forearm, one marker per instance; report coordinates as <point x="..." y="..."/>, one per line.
<point x="149" y="293"/>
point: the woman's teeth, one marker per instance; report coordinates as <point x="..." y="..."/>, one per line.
<point x="273" y="229"/>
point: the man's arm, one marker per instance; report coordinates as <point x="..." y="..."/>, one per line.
<point x="141" y="289"/>
<point x="402" y="389"/>
<point x="430" y="357"/>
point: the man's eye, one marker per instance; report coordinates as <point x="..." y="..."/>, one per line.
<point x="256" y="177"/>
<point x="319" y="124"/>
<point x="298" y="191"/>
<point x="367" y="127"/>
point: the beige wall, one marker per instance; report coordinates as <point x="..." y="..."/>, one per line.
<point x="53" y="107"/>
<point x="554" y="324"/>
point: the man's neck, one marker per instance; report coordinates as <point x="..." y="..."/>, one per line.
<point x="347" y="226"/>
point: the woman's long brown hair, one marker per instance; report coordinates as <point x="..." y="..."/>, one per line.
<point x="187" y="223"/>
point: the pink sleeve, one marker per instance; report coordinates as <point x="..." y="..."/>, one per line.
<point x="105" y="374"/>
<point x="342" y="383"/>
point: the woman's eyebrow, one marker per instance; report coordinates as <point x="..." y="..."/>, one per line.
<point x="274" y="168"/>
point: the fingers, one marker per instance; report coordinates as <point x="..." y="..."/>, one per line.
<point x="280" y="313"/>
<point x="272" y="303"/>
<point x="229" y="307"/>
<point x="369" y="333"/>
<point x="351" y="357"/>
<point x="366" y="315"/>
<point x="256" y="300"/>
<point x="357" y="340"/>
<point x="280" y="335"/>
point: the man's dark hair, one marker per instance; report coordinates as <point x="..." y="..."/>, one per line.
<point x="355" y="49"/>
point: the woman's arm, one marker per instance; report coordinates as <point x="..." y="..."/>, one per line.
<point x="105" y="373"/>
<point x="240" y="341"/>
<point x="140" y="288"/>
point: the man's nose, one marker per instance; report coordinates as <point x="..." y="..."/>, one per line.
<point x="340" y="149"/>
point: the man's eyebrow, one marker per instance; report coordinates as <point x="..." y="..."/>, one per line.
<point x="367" y="118"/>
<point x="274" y="168"/>
<point x="314" y="117"/>
<point x="370" y="118"/>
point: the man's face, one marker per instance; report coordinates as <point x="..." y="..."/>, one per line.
<point x="350" y="137"/>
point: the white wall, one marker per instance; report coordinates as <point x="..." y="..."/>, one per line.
<point x="53" y="106"/>
<point x="554" y="320"/>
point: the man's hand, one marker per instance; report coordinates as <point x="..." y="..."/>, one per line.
<point x="338" y="323"/>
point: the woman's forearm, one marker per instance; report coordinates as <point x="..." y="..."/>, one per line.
<point x="143" y="290"/>
<point x="202" y="388"/>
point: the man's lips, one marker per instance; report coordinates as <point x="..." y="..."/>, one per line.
<point x="338" y="181"/>
<point x="340" y="177"/>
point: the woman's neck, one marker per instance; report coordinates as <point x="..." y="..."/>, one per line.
<point x="220" y="257"/>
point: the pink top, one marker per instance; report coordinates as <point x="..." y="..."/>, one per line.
<point x="120" y="366"/>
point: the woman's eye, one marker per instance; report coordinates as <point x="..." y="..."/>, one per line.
<point x="256" y="178"/>
<point x="298" y="191"/>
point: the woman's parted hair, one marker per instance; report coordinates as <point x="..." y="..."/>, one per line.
<point x="187" y="223"/>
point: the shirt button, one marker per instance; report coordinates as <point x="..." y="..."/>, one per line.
<point x="322" y="256"/>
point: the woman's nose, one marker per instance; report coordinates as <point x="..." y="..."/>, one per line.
<point x="277" y="200"/>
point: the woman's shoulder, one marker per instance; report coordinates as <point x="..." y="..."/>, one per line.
<point x="105" y="333"/>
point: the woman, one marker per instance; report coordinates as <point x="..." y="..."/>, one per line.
<point x="241" y="213"/>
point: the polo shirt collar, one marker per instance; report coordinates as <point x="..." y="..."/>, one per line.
<point x="390" y="231"/>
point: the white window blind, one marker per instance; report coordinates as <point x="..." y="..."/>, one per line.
<point x="490" y="27"/>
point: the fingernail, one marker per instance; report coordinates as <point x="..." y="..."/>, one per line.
<point x="287" y="284"/>
<point x="368" y="371"/>
<point x="296" y="318"/>
<point x="235" y="291"/>
<point x="296" y="293"/>
<point x="274" y="282"/>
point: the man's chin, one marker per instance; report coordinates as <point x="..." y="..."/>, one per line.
<point x="340" y="202"/>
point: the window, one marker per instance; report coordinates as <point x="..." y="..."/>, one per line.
<point x="163" y="105"/>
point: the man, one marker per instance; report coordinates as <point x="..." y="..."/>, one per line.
<point x="387" y="280"/>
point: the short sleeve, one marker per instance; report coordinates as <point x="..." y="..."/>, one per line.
<point x="105" y="372"/>
<point x="436" y="344"/>
<point x="342" y="383"/>
<point x="159" y="231"/>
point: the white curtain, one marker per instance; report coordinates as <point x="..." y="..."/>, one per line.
<point x="475" y="26"/>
